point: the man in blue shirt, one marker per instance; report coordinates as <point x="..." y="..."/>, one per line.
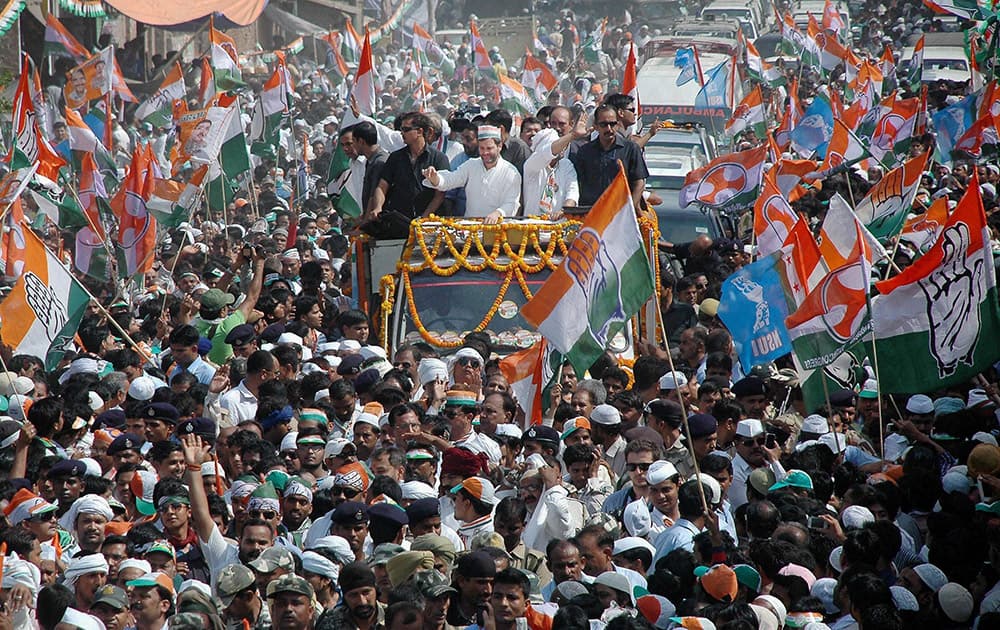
<point x="184" y="350"/>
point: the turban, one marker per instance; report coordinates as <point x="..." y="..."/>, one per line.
<point x="264" y="498"/>
<point x="276" y="417"/>
<point x="437" y="545"/>
<point x="460" y="461"/>
<point x="242" y="490"/>
<point x="320" y="565"/>
<point x="336" y="545"/>
<point x="134" y="563"/>
<point x="402" y="567"/>
<point x="21" y="572"/>
<point x="464" y="353"/>
<point x="431" y="369"/>
<point x="87" y="504"/>
<point x="94" y="563"/>
<point x="298" y="489"/>
<point x="417" y="490"/>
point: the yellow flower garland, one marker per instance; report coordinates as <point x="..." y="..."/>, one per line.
<point x="444" y="234"/>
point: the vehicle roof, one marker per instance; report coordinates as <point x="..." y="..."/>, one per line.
<point x="665" y="44"/>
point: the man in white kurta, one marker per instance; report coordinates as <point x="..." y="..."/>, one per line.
<point x="492" y="184"/>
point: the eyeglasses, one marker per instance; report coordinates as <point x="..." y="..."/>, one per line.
<point x="642" y="467"/>
<point x="267" y="515"/>
<point x="607" y="123"/>
<point x="405" y="129"/>
<point x="349" y="493"/>
<point x="402" y="365"/>
<point x="630" y="109"/>
<point x="467" y="362"/>
<point x="755" y="441"/>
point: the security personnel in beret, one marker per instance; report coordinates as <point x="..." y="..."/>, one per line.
<point x="160" y="418"/>
<point x="243" y="339"/>
<point x="350" y="521"/>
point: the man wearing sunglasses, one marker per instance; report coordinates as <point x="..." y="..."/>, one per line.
<point x="597" y="161"/>
<point x="752" y="453"/>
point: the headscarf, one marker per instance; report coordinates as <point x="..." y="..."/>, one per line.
<point x="464" y="353"/>
<point x="94" y="563"/>
<point x="87" y="504"/>
<point x="134" y="563"/>
<point x="431" y="369"/>
<point x="298" y="489"/>
<point x="336" y="545"/>
<point x="402" y="566"/>
<point x="320" y="565"/>
<point x="276" y="417"/>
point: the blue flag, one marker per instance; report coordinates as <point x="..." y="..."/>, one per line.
<point x="951" y="122"/>
<point x="715" y="92"/>
<point x="684" y="59"/>
<point x="812" y="134"/>
<point x="753" y="307"/>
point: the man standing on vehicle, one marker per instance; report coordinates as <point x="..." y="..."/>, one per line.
<point x="597" y="161"/>
<point x="492" y="184"/>
<point x="400" y="189"/>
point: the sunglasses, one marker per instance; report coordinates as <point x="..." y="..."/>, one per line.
<point x="267" y="515"/>
<point x="405" y="129"/>
<point x="43" y="518"/>
<point x="467" y="362"/>
<point x="755" y="441"/>
<point x="607" y="123"/>
<point x="349" y="493"/>
<point x="640" y="467"/>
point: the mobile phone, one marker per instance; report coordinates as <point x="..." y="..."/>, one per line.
<point x="815" y="522"/>
<point x="770" y="441"/>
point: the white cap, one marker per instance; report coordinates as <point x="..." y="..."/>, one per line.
<point x="93" y="468"/>
<point x="632" y="542"/>
<point x="979" y="436"/>
<point x="23" y="385"/>
<point x="431" y="369"/>
<point x="372" y="352"/>
<point x="920" y="404"/>
<point x="209" y="469"/>
<point x="956" y="602"/>
<point x="932" y="577"/>
<point x="368" y="418"/>
<point x="329" y="346"/>
<point x="714" y="495"/>
<point x="413" y="490"/>
<point x="142" y="388"/>
<point x="636" y="518"/>
<point x="288" y="442"/>
<point x="815" y="423"/>
<point x="16" y="407"/>
<point x="749" y="428"/>
<point x="287" y="337"/>
<point x="977" y="397"/>
<point x="335" y="447"/>
<point x="856" y="516"/>
<point x="836" y="442"/>
<point x="607" y="415"/>
<point x="660" y="471"/>
<point x="509" y="430"/>
<point x="904" y="599"/>
<point x="616" y="581"/>
<point x="673" y="380"/>
<point x="350" y="345"/>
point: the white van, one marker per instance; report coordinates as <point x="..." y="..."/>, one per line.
<point x="944" y="58"/>
<point x="744" y="11"/>
<point x="802" y="9"/>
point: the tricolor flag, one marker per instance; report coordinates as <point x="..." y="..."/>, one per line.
<point x="916" y="68"/>
<point x="884" y="208"/>
<point x="630" y="86"/>
<point x="834" y="315"/>
<point x="172" y="202"/>
<point x="206" y="84"/>
<point x="604" y="279"/>
<point x="136" y="226"/>
<point x="839" y="236"/>
<point x="269" y="110"/>
<point x="965" y="9"/>
<point x="983" y="131"/>
<point x="225" y="60"/>
<point x="350" y="44"/>
<point x="832" y="20"/>
<point x="893" y="130"/>
<point x="12" y="242"/>
<point x="60" y="42"/>
<point x="538" y="78"/>
<point x="728" y="181"/>
<point x="364" y="81"/>
<point x="793" y="41"/>
<point x="343" y="186"/>
<point x="514" y="98"/>
<point x="57" y="204"/>
<point x="91" y="250"/>
<point x="760" y="70"/>
<point x="529" y="372"/>
<point x="773" y="218"/>
<point x="480" y="58"/>
<point x="158" y="109"/>
<point x="29" y="146"/>
<point x="832" y="52"/>
<point x="936" y="323"/>
<point x="45" y="307"/>
<point x="749" y="114"/>
<point x="81" y="137"/>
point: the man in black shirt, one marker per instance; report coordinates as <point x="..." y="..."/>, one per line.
<point x="596" y="162"/>
<point x="399" y="189"/>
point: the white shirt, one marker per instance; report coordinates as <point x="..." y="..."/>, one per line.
<point x="240" y="403"/>
<point x="536" y="176"/>
<point x="741" y="473"/>
<point x="478" y="443"/>
<point x="486" y="190"/>
<point x="218" y="552"/>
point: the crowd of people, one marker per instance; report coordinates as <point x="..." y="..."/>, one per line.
<point x="228" y="446"/>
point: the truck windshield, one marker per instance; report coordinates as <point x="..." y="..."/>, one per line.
<point x="450" y="307"/>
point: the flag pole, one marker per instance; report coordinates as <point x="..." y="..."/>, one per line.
<point x="881" y="423"/>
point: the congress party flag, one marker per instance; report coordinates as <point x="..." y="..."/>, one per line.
<point x="729" y="181"/>
<point x="514" y="97"/>
<point x="630" y="86"/>
<point x="529" y="372"/>
<point x="29" y="146"/>
<point x="364" y="81"/>
<point x="172" y="202"/>
<point x="844" y="150"/>
<point x="44" y="309"/>
<point x="157" y="110"/>
<point x="922" y="230"/>
<point x="802" y="263"/>
<point x="60" y="42"/>
<point x="480" y="58"/>
<point x="538" y="78"/>
<point x="749" y="114"/>
<point x="839" y="234"/>
<point x="604" y="279"/>
<point x="753" y="307"/>
<point x="225" y="60"/>
<point x="936" y="323"/>
<point x="884" y="208"/>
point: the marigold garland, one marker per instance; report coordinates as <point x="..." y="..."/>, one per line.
<point x="444" y="233"/>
